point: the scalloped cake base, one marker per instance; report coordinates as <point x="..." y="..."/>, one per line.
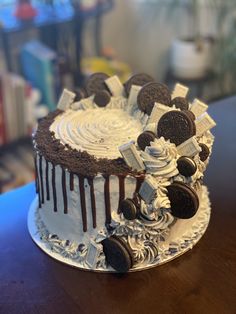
<point x="184" y="234"/>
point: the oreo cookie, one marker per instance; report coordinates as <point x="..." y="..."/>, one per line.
<point x="102" y="98"/>
<point x="205" y="152"/>
<point x="150" y="93"/>
<point x="139" y="79"/>
<point x="176" y="126"/>
<point x="128" y="208"/>
<point x="186" y="166"/>
<point x="145" y="139"/>
<point x="183" y="200"/>
<point x="118" y="254"/>
<point x="80" y="94"/>
<point x="96" y="83"/>
<point x="190" y="114"/>
<point x="180" y="103"/>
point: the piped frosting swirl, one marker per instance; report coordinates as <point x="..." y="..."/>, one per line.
<point x="160" y="158"/>
<point x="98" y="131"/>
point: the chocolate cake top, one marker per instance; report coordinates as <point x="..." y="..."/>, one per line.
<point x="79" y="162"/>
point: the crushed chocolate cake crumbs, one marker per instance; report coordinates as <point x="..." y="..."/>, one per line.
<point x="78" y="162"/>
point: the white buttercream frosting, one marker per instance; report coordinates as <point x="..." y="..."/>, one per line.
<point x="98" y="131"/>
<point x="160" y="158"/>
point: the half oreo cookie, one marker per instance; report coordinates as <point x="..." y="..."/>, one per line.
<point x="102" y="98"/>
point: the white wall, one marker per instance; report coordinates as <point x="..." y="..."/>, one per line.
<point x="141" y="35"/>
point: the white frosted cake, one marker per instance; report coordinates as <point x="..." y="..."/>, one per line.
<point x="119" y="175"/>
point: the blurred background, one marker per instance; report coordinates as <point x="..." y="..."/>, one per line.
<point x="47" y="45"/>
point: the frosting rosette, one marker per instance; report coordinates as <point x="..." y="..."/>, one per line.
<point x="160" y="158"/>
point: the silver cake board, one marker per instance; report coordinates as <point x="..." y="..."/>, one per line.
<point x="185" y="241"/>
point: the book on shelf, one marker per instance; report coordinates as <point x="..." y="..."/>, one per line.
<point x="40" y="68"/>
<point x="17" y="107"/>
<point x="2" y="127"/>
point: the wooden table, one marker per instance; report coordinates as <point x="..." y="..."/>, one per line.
<point x="201" y="281"/>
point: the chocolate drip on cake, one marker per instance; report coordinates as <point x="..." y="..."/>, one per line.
<point x="37" y="180"/>
<point x="54" y="192"/>
<point x="36" y="174"/>
<point x="121" y="191"/>
<point x="71" y="181"/>
<point x="107" y="199"/>
<point x="47" y="183"/>
<point x="83" y="202"/>
<point x="93" y="202"/>
<point x="63" y="182"/>
<point x="41" y="178"/>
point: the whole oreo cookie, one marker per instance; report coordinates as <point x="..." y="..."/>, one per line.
<point x="180" y="103"/>
<point x="96" y="83"/>
<point x="128" y="208"/>
<point x="176" y="126"/>
<point x="183" y="200"/>
<point x="145" y="139"/>
<point x="205" y="152"/>
<point x="118" y="254"/>
<point x="102" y="98"/>
<point x="186" y="166"/>
<point x="139" y="79"/>
<point x="150" y="93"/>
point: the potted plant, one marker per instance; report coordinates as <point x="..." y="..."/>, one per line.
<point x="190" y="56"/>
<point x="225" y="48"/>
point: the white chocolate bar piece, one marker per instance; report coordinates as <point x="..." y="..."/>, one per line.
<point x="179" y="91"/>
<point x="204" y="123"/>
<point x="157" y="112"/>
<point x="132" y="100"/>
<point x="115" y="86"/>
<point x="66" y="99"/>
<point x="198" y="107"/>
<point x="189" y="148"/>
<point x="131" y="156"/>
<point x="148" y="190"/>
<point x="93" y="252"/>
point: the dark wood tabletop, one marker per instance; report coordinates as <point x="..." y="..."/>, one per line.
<point x="201" y="281"/>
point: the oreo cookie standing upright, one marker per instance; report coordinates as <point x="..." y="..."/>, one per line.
<point x="138" y="79"/>
<point x="186" y="166"/>
<point x="184" y="200"/>
<point x="153" y="92"/>
<point x="96" y="83"/>
<point x="118" y="253"/>
<point x="145" y="139"/>
<point x="180" y="103"/>
<point x="128" y="208"/>
<point x="205" y="152"/>
<point x="176" y="126"/>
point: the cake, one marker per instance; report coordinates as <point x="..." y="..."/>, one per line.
<point x="119" y="174"/>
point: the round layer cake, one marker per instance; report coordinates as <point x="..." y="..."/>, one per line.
<point x="119" y="174"/>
